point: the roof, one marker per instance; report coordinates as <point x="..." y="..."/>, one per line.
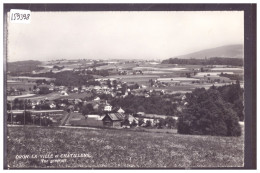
<point x="116" y="116"/>
<point x="118" y="109"/>
<point x="87" y="122"/>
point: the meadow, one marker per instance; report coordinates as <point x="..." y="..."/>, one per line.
<point x="19" y="84"/>
<point x="113" y="148"/>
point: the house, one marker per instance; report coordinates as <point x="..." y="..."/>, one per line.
<point x="51" y="88"/>
<point x="120" y="110"/>
<point x="107" y="107"/>
<point x="91" y="122"/>
<point x="34" y="103"/>
<point x="77" y="101"/>
<point x="97" y="88"/>
<point x="64" y="93"/>
<point x="38" y="90"/>
<point x="97" y="99"/>
<point x="71" y="108"/>
<point x="94" y="116"/>
<point x="152" y="120"/>
<point x="62" y="105"/>
<point x="61" y="87"/>
<point x="52" y="106"/>
<point x="84" y="87"/>
<point x="140" y="113"/>
<point x="113" y="119"/>
<point x="95" y="106"/>
<point x="131" y="118"/>
<point x="143" y="86"/>
<point x="76" y="89"/>
<point x="71" y="101"/>
<point x="147" y="95"/>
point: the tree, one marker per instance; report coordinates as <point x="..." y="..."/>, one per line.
<point x="170" y="122"/>
<point x="161" y="123"/>
<point x="148" y="123"/>
<point x="233" y="94"/>
<point x="26" y="117"/>
<point x="114" y="83"/>
<point x="133" y="124"/>
<point x="140" y="109"/>
<point x="87" y="109"/>
<point x="208" y="114"/>
<point x="44" y="90"/>
<point x="129" y="111"/>
<point x="125" y="122"/>
<point x="109" y="83"/>
<point x="140" y="121"/>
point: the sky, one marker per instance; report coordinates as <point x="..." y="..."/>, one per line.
<point x="121" y="35"/>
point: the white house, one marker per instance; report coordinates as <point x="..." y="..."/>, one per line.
<point x="52" y="105"/>
<point x="97" y="99"/>
<point x="64" y="93"/>
<point x="107" y="107"/>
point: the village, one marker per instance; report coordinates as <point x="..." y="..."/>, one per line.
<point x="116" y="94"/>
<point x="82" y="106"/>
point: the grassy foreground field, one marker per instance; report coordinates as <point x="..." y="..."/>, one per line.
<point x="108" y="148"/>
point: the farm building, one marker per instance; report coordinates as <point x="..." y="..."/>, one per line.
<point x="92" y="122"/>
<point x="131" y="118"/>
<point x="97" y="99"/>
<point x="77" y="119"/>
<point x="118" y="110"/>
<point x="107" y="107"/>
<point x="113" y="119"/>
<point x="94" y="116"/>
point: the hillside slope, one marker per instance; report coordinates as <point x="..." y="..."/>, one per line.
<point x="230" y="51"/>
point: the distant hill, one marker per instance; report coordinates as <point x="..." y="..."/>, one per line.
<point x="23" y="66"/>
<point x="229" y="51"/>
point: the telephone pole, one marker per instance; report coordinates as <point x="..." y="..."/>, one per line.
<point x="23" y="112"/>
<point x="11" y="113"/>
<point x="40" y="119"/>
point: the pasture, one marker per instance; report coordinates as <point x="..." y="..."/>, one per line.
<point x="57" y="95"/>
<point x="20" y="85"/>
<point x="111" y="148"/>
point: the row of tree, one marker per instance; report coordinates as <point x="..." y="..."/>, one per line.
<point x="27" y="118"/>
<point x="149" y="105"/>
<point x="210" y="61"/>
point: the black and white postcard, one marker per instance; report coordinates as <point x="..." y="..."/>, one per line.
<point x="143" y="86"/>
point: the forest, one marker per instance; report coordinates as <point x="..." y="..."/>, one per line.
<point x="16" y="68"/>
<point x="208" y="61"/>
<point x="215" y="111"/>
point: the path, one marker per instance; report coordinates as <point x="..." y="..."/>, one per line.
<point x="64" y="120"/>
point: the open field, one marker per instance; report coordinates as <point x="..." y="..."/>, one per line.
<point x="24" y="96"/>
<point x="108" y="148"/>
<point x="157" y="68"/>
<point x="18" y="84"/>
<point x="54" y="96"/>
<point x="227" y="69"/>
